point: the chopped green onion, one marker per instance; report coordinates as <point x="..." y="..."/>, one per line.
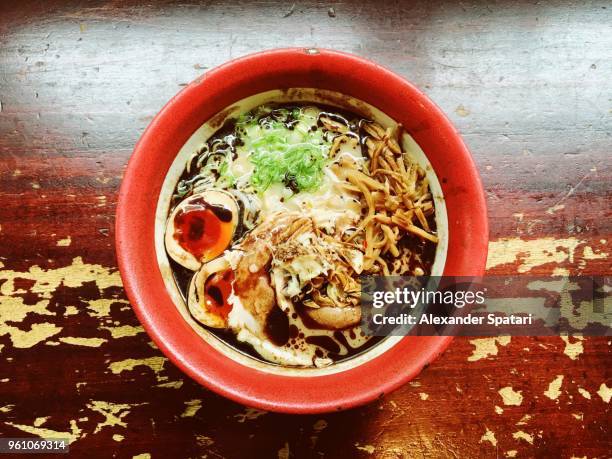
<point x="282" y="155"/>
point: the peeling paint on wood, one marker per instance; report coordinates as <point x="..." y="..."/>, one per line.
<point x="546" y="176"/>
<point x="154" y="363"/>
<point x="531" y="253"/>
<point x="113" y="413"/>
<point x="89" y="342"/>
<point x="520" y="435"/>
<point x="191" y="408"/>
<point x="585" y="393"/>
<point x="489" y="436"/>
<point x="123" y="331"/>
<point x="72" y="435"/>
<point x="64" y="242"/>
<point x="554" y="388"/>
<point x="573" y="349"/>
<point x="485" y="347"/>
<point x="510" y="396"/>
<point x="605" y="392"/>
<point x="249" y="414"/>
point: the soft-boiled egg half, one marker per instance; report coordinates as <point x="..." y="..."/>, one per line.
<point x="200" y="228"/>
<point x="209" y="292"/>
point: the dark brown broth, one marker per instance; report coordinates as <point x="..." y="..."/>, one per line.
<point x="278" y="329"/>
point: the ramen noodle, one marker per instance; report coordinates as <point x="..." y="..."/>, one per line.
<point x="277" y="216"/>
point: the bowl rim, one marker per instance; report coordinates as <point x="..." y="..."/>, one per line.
<point x="204" y="98"/>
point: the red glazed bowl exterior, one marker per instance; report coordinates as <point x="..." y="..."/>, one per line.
<point x="213" y="92"/>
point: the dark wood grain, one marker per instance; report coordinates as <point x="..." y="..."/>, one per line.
<point x="528" y="86"/>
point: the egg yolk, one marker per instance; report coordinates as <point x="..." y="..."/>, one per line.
<point x="217" y="289"/>
<point x="203" y="230"/>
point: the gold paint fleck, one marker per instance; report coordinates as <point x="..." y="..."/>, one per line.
<point x="511" y="453"/>
<point x="142" y="456"/>
<point x="554" y="388"/>
<point x="578" y="416"/>
<point x="154" y="363"/>
<point x="6" y="408"/>
<point x="249" y="414"/>
<point x="191" y="408"/>
<point x="585" y="393"/>
<point x="124" y="331"/>
<point x="524" y="420"/>
<point x="510" y="396"/>
<point x="520" y="435"/>
<point x="573" y="350"/>
<point x="462" y="111"/>
<point x="171" y="385"/>
<point x="87" y="342"/>
<point x="71" y="311"/>
<point x="64" y="242"/>
<point x="25" y="339"/>
<point x="499" y="409"/>
<point x="113" y="413"/>
<point x="102" y="306"/>
<point x="118" y="437"/>
<point x="71" y="436"/>
<point x="367" y="448"/>
<point x="40" y="421"/>
<point x="489" y="436"/>
<point x="423" y="395"/>
<point x="605" y="392"/>
<point x="485" y="347"/>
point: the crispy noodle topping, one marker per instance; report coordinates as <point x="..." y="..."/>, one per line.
<point x="321" y="198"/>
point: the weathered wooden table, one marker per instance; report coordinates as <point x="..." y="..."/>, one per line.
<point x="527" y="85"/>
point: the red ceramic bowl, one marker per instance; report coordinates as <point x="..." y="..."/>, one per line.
<point x="198" y="103"/>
